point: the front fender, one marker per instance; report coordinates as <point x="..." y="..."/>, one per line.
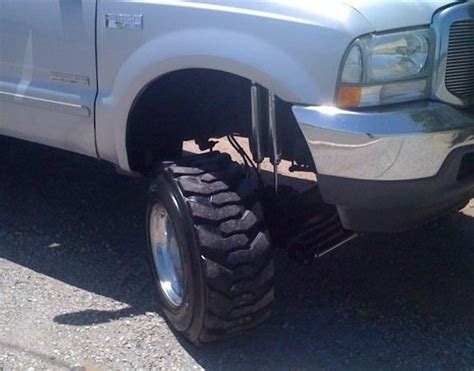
<point x="272" y="52"/>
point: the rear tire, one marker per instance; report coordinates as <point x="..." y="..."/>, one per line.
<point x="227" y="267"/>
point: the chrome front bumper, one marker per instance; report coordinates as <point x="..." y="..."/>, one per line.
<point x="393" y="169"/>
<point x="402" y="142"/>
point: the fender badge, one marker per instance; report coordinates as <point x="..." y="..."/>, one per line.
<point x="132" y="22"/>
<point x="70" y="78"/>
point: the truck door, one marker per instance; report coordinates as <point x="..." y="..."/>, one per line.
<point x="48" y="77"/>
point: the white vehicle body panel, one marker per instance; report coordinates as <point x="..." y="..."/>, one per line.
<point x="287" y="49"/>
<point x="393" y="14"/>
<point x="48" y="72"/>
<point x="293" y="48"/>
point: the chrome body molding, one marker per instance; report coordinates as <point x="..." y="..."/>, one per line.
<point x="402" y="142"/>
<point x="47" y="104"/>
<point x="442" y="25"/>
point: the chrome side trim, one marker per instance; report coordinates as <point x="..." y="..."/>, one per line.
<point x="47" y="104"/>
<point x="442" y="26"/>
<point x="395" y="143"/>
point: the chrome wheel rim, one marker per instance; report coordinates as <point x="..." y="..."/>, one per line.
<point x="166" y="255"/>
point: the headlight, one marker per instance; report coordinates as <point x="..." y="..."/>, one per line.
<point x="387" y="68"/>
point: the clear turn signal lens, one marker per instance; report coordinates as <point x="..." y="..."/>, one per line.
<point x="353" y="68"/>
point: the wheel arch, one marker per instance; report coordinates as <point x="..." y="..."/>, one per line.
<point x="248" y="58"/>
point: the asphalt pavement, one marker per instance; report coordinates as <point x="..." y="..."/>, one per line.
<point x="76" y="290"/>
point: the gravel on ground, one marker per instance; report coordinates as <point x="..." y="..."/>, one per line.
<point x="76" y="290"/>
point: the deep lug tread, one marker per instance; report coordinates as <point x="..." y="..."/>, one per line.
<point x="239" y="280"/>
<point x="219" y="328"/>
<point x="240" y="306"/>
<point x="245" y="194"/>
<point x="257" y="250"/>
<point x="219" y="249"/>
<point x="225" y="199"/>
<point x="234" y="245"/>
<point x="232" y="174"/>
<point x="212" y="216"/>
<point x="183" y="171"/>
<point x="249" y="222"/>
<point x="193" y="186"/>
<point x="263" y="278"/>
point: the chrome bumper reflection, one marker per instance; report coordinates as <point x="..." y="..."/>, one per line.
<point x="399" y="143"/>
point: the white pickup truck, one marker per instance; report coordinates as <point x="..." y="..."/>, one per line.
<point x="373" y="96"/>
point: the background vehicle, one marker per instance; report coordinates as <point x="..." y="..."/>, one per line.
<point x="375" y="97"/>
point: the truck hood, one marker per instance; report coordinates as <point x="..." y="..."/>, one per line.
<point x="380" y="15"/>
<point x="390" y="14"/>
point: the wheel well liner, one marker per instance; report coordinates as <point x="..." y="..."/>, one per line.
<point x="197" y="104"/>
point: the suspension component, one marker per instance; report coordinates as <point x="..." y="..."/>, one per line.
<point x="264" y="140"/>
<point x="257" y="140"/>
<point x="275" y="156"/>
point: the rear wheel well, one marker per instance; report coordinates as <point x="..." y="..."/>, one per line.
<point x="198" y="104"/>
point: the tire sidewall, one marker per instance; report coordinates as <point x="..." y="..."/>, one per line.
<point x="189" y="317"/>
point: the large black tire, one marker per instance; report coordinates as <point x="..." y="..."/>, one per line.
<point x="224" y="244"/>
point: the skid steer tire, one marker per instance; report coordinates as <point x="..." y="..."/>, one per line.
<point x="223" y="276"/>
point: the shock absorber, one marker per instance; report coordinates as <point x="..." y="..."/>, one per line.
<point x="265" y="132"/>
<point x="256" y="143"/>
<point x="275" y="155"/>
